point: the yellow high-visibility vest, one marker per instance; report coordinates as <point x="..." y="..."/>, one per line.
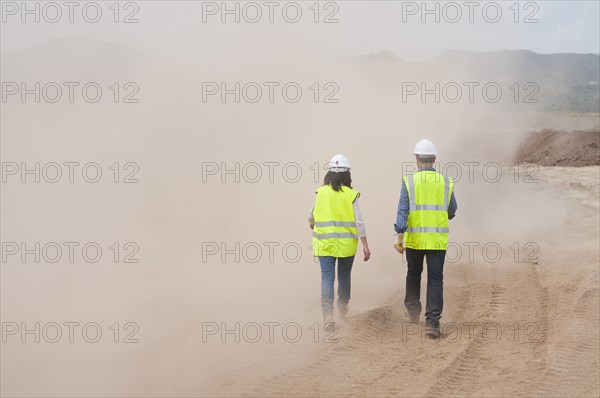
<point x="429" y="197"/>
<point x="335" y="232"/>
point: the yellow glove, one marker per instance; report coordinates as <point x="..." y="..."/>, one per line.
<point x="399" y="243"/>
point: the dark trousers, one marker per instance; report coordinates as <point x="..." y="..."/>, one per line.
<point x="435" y="282"/>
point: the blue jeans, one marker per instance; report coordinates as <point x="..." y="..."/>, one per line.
<point x="328" y="279"/>
<point x="435" y="284"/>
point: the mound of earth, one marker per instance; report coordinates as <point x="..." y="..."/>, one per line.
<point x="559" y="148"/>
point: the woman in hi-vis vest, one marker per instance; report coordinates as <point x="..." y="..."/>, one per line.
<point x="337" y="224"/>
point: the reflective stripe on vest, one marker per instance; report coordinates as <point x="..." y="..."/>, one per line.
<point x="335" y="232"/>
<point x="429" y="198"/>
<point x="335" y="224"/>
<point x="335" y="235"/>
<point x="429" y="229"/>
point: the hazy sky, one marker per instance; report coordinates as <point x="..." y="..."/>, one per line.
<point x="362" y="27"/>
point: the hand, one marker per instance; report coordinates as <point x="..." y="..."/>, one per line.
<point x="399" y="243"/>
<point x="367" y="253"/>
<point x="311" y="226"/>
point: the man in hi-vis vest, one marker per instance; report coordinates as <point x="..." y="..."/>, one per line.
<point x="427" y="202"/>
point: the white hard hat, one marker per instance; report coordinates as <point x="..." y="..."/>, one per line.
<point x="425" y="147"/>
<point x="338" y="164"/>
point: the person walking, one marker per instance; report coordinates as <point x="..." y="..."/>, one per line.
<point x="426" y="204"/>
<point x="337" y="225"/>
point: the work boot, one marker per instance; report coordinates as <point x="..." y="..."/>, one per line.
<point x="432" y="331"/>
<point x="342" y="311"/>
<point x="329" y="323"/>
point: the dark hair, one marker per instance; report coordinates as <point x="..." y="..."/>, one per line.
<point x="426" y="158"/>
<point x="337" y="180"/>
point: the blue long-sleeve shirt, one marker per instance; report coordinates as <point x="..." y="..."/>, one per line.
<point x="404" y="207"/>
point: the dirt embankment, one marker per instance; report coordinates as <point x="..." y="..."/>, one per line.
<point x="558" y="148"/>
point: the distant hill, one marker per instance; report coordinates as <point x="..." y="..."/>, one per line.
<point x="572" y="68"/>
<point x="567" y="82"/>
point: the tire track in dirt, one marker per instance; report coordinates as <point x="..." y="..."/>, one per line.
<point x="462" y="298"/>
<point x="466" y="374"/>
<point x="460" y="376"/>
<point x="526" y="330"/>
<point x="534" y="347"/>
<point x="576" y="345"/>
